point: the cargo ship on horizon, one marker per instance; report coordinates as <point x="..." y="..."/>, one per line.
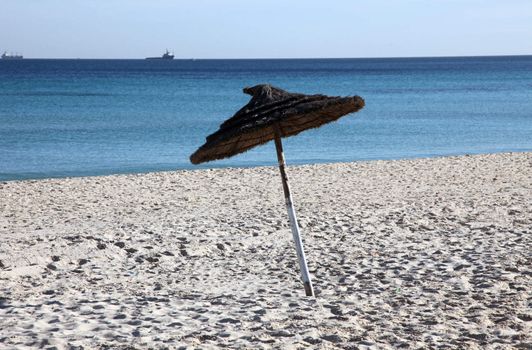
<point x="166" y="56"/>
<point x="11" y="56"/>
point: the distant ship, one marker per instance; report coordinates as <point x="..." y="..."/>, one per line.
<point x="166" y="56"/>
<point x="10" y="56"/>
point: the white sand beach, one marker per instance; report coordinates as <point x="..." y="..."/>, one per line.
<point x="424" y="253"/>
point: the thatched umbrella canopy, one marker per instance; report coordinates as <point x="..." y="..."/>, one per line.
<point x="271" y="114"/>
<point x="254" y="123"/>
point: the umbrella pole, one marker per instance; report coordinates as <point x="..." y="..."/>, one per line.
<point x="309" y="291"/>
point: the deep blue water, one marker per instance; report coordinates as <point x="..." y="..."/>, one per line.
<point x="90" y="117"/>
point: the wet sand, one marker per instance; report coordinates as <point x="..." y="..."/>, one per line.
<point x="424" y="253"/>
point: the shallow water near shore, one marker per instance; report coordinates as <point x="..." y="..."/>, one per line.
<point x="93" y="117"/>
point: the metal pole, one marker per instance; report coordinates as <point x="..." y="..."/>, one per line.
<point x="309" y="291"/>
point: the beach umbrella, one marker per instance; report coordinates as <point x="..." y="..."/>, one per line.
<point x="272" y="114"/>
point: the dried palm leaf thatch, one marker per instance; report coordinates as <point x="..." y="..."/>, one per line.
<point x="253" y="125"/>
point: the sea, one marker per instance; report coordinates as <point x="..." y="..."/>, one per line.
<point x="63" y="118"/>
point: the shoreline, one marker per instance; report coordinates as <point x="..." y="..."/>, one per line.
<point x="207" y="166"/>
<point x="415" y="253"/>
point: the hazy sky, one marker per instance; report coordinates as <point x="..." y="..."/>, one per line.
<point x="266" y="28"/>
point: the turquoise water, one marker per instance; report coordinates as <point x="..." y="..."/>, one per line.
<point x="91" y="117"/>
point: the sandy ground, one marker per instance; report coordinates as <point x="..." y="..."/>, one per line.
<point x="427" y="253"/>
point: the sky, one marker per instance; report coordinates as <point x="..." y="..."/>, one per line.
<point x="265" y="29"/>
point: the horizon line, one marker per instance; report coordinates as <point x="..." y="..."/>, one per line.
<point x="283" y="58"/>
